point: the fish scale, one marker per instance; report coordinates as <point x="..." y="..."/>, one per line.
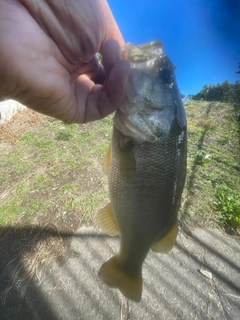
<point x="146" y="168"/>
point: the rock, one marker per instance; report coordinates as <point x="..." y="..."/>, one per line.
<point x="206" y="273"/>
<point x="8" y="108"/>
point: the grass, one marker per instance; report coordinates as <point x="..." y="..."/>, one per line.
<point x="49" y="168"/>
<point x="51" y="181"/>
<point x="227" y="206"/>
<point x="213" y="160"/>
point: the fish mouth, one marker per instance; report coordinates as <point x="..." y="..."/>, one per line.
<point x="148" y="110"/>
<point x="143" y="52"/>
<point x="138" y="127"/>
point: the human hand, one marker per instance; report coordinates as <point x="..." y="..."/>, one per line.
<point x="47" y="58"/>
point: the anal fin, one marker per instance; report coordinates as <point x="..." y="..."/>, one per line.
<point x="166" y="243"/>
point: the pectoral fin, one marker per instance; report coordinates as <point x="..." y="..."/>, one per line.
<point x="106" y="220"/>
<point x="166" y="243"/>
<point x="106" y="163"/>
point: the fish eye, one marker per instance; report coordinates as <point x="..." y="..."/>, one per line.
<point x="165" y="74"/>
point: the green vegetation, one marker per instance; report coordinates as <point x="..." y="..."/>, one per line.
<point x="213" y="161"/>
<point x="201" y="157"/>
<point x="99" y="57"/>
<point x="51" y="174"/>
<point x="51" y="169"/>
<point x="227" y="206"/>
<point x="226" y="136"/>
<point x="224" y="92"/>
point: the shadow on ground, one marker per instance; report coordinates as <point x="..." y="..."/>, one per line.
<point x="176" y="285"/>
<point x="199" y="279"/>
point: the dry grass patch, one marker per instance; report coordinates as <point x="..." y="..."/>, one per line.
<point x="51" y="180"/>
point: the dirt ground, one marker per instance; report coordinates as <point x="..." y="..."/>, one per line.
<point x="198" y="280"/>
<point x="49" y="265"/>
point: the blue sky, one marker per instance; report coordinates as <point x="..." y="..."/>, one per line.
<point x="201" y="37"/>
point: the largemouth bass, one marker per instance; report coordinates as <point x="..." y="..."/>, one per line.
<point x="146" y="167"/>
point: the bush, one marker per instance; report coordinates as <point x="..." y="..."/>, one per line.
<point x="227" y="206"/>
<point x="225" y="92"/>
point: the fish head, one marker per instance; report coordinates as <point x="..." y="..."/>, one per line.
<point x="152" y="104"/>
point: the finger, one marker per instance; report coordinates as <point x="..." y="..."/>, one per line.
<point x="111" y="53"/>
<point x="99" y="101"/>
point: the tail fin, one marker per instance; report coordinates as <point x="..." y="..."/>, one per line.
<point x="129" y="284"/>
